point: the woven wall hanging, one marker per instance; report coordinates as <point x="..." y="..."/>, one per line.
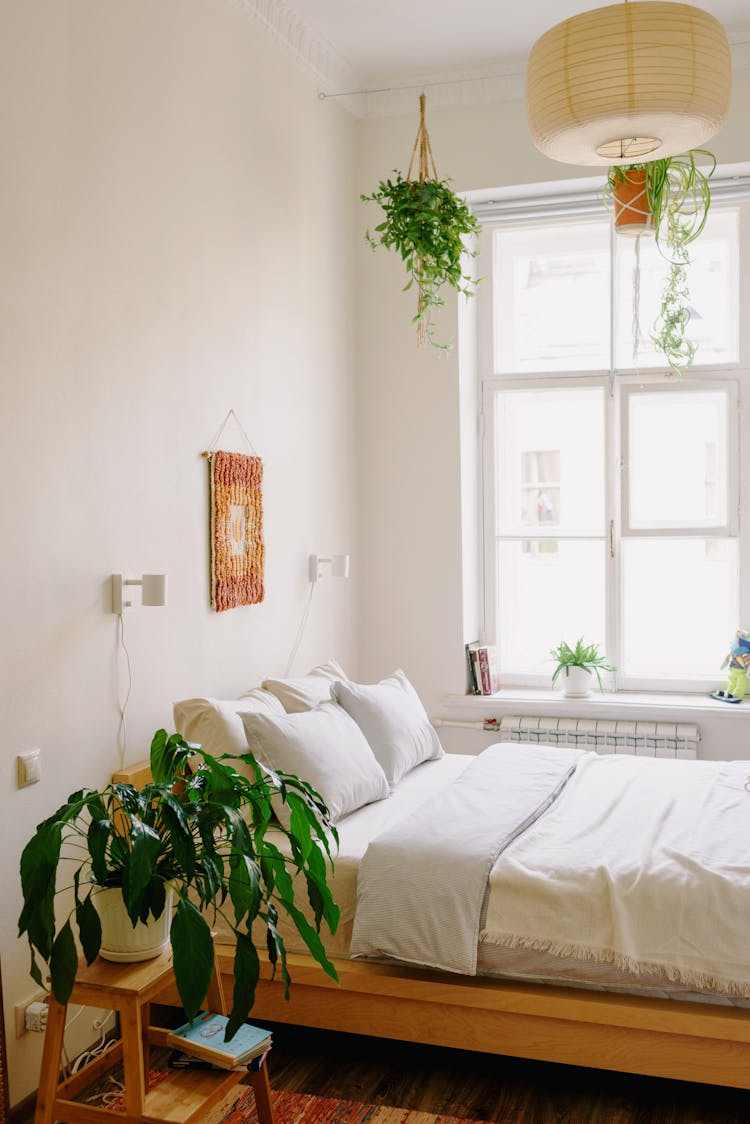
<point x="237" y="547"/>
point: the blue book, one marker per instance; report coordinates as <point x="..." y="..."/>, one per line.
<point x="204" y="1038"/>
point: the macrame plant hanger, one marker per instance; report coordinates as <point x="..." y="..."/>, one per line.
<point x="426" y="171"/>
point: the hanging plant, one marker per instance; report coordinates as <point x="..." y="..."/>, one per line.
<point x="425" y="222"/>
<point x="672" y="197"/>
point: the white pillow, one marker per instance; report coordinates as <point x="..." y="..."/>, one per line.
<point x="392" y="718"/>
<point x="216" y="724"/>
<point x="306" y="691"/>
<point x="323" y="747"/>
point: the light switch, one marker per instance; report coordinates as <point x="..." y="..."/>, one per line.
<point x="29" y="767"/>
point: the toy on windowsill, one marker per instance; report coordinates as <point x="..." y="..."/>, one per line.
<point x="739" y="661"/>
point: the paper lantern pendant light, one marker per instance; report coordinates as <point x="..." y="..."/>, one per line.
<point x="628" y="82"/>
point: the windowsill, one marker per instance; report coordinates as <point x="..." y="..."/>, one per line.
<point x="624" y="704"/>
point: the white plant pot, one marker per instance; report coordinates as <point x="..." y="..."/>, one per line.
<point x="123" y="942"/>
<point x="577" y="683"/>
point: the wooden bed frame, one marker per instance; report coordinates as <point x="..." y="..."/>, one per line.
<point x="701" y="1042"/>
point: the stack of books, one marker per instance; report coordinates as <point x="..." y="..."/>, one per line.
<point x="201" y="1045"/>
<point x="482" y="663"/>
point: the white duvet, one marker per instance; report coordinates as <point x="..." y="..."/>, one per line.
<point x="422" y="882"/>
<point x="638" y="863"/>
<point x="641" y="863"/>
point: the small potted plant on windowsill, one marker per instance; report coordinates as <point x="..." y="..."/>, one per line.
<point x="184" y="831"/>
<point x="578" y="665"/>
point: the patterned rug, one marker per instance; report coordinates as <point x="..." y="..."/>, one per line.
<point x="299" y="1108"/>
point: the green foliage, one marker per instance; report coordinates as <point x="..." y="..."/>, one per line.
<point x="204" y="835"/>
<point x="425" y="222"/>
<point x="679" y="196"/>
<point x="585" y="656"/>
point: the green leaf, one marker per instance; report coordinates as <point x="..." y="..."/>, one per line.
<point x="193" y="949"/>
<point x="38" y="874"/>
<point x="98" y="837"/>
<point x="169" y="756"/>
<point x="145" y="846"/>
<point x="89" y="929"/>
<point x="178" y="835"/>
<point x="154" y="900"/>
<point x="244" y="888"/>
<point x="299" y="825"/>
<point x="63" y="964"/>
<point x="246" y="973"/>
<point x="275" y="942"/>
<point x="311" y="939"/>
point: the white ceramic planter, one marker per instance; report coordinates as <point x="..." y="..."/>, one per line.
<point x="120" y="940"/>
<point x="577" y="683"/>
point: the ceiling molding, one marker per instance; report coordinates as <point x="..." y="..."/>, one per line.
<point x="315" y="55"/>
<point x="337" y="81"/>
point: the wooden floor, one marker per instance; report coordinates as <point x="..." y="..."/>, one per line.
<point x="482" y="1087"/>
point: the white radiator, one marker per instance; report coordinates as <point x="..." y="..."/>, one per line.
<point x="605" y="735"/>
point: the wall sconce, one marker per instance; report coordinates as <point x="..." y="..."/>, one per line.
<point x="153" y="590"/>
<point x="337" y="566"/>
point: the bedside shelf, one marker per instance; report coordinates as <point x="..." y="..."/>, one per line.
<point x="183" y="1096"/>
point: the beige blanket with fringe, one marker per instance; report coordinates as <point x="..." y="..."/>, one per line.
<point x="640" y="863"/>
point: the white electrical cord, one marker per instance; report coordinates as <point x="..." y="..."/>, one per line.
<point x="301" y="629"/>
<point x="101" y="1047"/>
<point x="122" y="734"/>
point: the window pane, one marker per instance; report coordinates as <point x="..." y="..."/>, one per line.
<point x="677" y="462"/>
<point x="680" y="607"/>
<point x="549" y="591"/>
<point x="713" y="283"/>
<point x="550" y="460"/>
<point x="551" y="298"/>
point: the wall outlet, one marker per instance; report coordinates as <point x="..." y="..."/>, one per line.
<point x="19" y="1010"/>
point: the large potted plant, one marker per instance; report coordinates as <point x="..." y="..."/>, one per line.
<point x="201" y="834"/>
<point x="425" y="223"/>
<point x="670" y="197"/>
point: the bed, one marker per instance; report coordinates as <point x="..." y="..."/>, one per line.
<point x="533" y="1002"/>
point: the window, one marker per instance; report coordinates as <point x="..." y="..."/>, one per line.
<point x="612" y="507"/>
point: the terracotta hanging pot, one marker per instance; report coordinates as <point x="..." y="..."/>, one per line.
<point x="633" y="215"/>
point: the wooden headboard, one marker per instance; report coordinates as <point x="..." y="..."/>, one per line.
<point x="138" y="775"/>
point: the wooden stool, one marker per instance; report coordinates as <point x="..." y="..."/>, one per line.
<point x="185" y="1095"/>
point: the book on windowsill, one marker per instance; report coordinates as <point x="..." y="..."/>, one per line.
<point x="482" y="664"/>
<point x="204" y="1038"/>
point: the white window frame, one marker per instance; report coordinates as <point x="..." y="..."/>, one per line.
<point x="617" y="385"/>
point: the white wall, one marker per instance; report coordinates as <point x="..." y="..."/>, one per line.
<point x="176" y="215"/>
<point x="412" y="613"/>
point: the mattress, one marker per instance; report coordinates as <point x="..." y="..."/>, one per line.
<point x="356" y="831"/>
